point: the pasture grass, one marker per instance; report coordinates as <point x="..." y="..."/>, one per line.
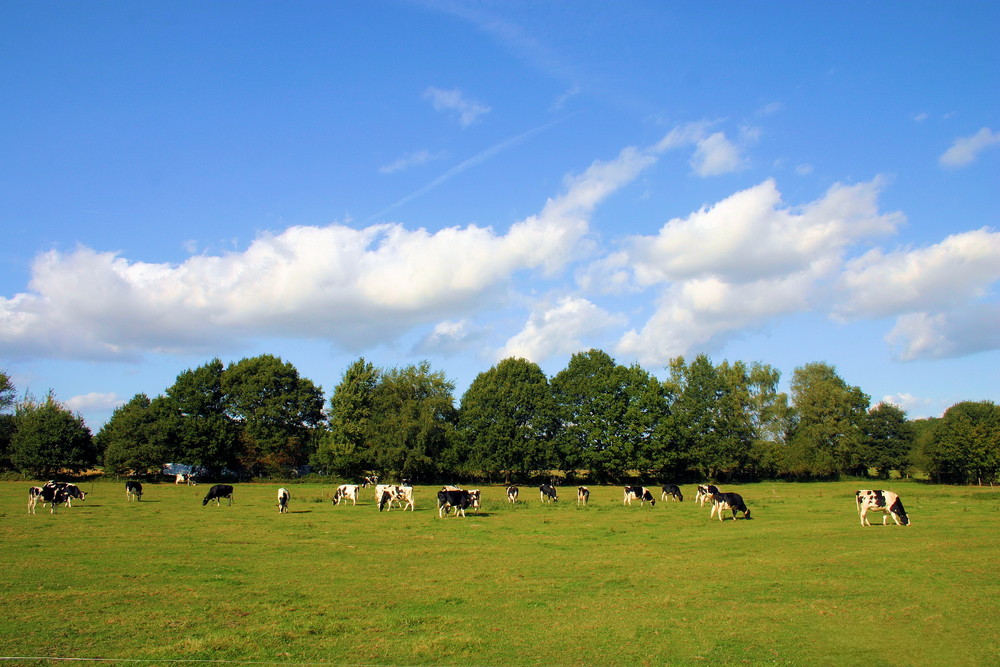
<point x="801" y="583"/>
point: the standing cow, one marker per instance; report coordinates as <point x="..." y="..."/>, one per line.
<point x="133" y="490"/>
<point x="672" y="492"/>
<point x="582" y="495"/>
<point x="283" y="497"/>
<point x="877" y="500"/>
<point x="512" y="494"/>
<point x="640" y="493"/>
<point x="548" y="493"/>
<point x="217" y="493"/>
<point x="728" y="501"/>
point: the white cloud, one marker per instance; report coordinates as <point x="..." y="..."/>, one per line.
<point x="960" y="268"/>
<point x="714" y="153"/>
<point x="355" y="287"/>
<point x="966" y="149"/>
<point x="959" y="332"/>
<point x="559" y="329"/>
<point x="914" y="406"/>
<point x="93" y="402"/>
<point x="741" y="263"/>
<point x="412" y="160"/>
<point x="468" y="110"/>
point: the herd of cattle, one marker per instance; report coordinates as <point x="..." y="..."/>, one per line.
<point x="452" y="498"/>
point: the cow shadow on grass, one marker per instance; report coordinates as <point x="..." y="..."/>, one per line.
<point x="300" y="511"/>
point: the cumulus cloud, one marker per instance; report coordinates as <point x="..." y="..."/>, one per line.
<point x="958" y="332"/>
<point x="714" y="153"/>
<point x="354" y="287"/>
<point x="468" y="110"/>
<point x="559" y="329"/>
<point x="94" y="401"/>
<point x="741" y="263"/>
<point x="449" y="337"/>
<point x="965" y="150"/>
<point x="914" y="406"/>
<point x="960" y="268"/>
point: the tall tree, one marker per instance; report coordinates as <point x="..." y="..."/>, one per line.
<point x="508" y="421"/>
<point x="966" y="445"/>
<point x="139" y="437"/>
<point x="827" y="429"/>
<point x="276" y="409"/>
<point x="415" y="421"/>
<point x="49" y="438"/>
<point x="345" y="449"/>
<point x="6" y="418"/>
<point x="608" y="415"/>
<point x="887" y="440"/>
<point x="205" y="435"/>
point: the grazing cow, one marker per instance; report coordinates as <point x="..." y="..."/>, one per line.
<point x="133" y="490"/>
<point x="512" y="494"/>
<point x="49" y="493"/>
<point x="640" y="493"/>
<point x="72" y="491"/>
<point x="370" y="480"/>
<point x="881" y="501"/>
<point x="346" y="492"/>
<point x="405" y="496"/>
<point x="217" y="493"/>
<point x="283" y="497"/>
<point x="449" y="498"/>
<point x="401" y="495"/>
<point x="728" y="501"/>
<point x="548" y="493"/>
<point x="582" y="495"/>
<point x="673" y="492"/>
<point x="705" y="492"/>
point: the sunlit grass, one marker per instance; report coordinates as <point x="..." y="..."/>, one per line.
<point x="528" y="584"/>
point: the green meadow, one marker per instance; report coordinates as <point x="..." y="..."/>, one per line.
<point x="167" y="579"/>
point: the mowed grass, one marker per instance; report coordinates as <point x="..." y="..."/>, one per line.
<point x="801" y="583"/>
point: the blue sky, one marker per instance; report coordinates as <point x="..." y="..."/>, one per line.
<point x="465" y="181"/>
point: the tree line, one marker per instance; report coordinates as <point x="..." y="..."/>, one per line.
<point x="595" y="420"/>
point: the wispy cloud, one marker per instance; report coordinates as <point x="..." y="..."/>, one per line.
<point x="965" y="150"/>
<point x="468" y="110"/>
<point x="413" y="160"/>
<point x="473" y="161"/>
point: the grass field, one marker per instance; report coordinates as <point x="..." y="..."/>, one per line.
<point x="801" y="583"/>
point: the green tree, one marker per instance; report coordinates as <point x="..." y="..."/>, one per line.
<point x="277" y="412"/>
<point x="6" y="419"/>
<point x="138" y="438"/>
<point x="730" y="417"/>
<point x="345" y="449"/>
<point x="48" y="438"/>
<point x="966" y="444"/>
<point x="826" y="432"/>
<point x="414" y="421"/>
<point x="195" y="417"/>
<point x="887" y="438"/>
<point x="508" y="421"/>
<point x="609" y="415"/>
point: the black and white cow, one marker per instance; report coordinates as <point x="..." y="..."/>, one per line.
<point x="370" y="480"/>
<point x="728" y="501"/>
<point x="283" y="497"/>
<point x="548" y="493"/>
<point x="72" y="491"/>
<point x="672" y="492"/>
<point x="217" y="493"/>
<point x="877" y="500"/>
<point x="512" y="494"/>
<point x="705" y="492"/>
<point x="451" y="497"/>
<point x="394" y="493"/>
<point x="582" y="495"/>
<point x="640" y="493"/>
<point x="346" y="492"/>
<point x="133" y="490"/>
<point x="49" y="493"/>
